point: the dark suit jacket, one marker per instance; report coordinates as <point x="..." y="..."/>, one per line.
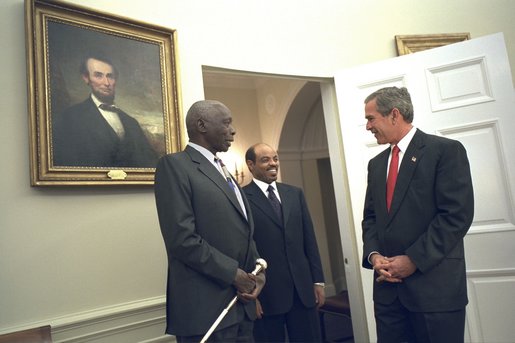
<point x="290" y="249"/>
<point x="207" y="238"/>
<point x="82" y="137"/>
<point x="431" y="211"/>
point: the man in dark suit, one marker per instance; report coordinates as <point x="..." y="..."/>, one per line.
<point x="95" y="133"/>
<point x="286" y="240"/>
<point x="207" y="228"/>
<point x="414" y="240"/>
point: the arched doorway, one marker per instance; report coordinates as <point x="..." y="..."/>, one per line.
<point x="305" y="163"/>
<point x="287" y="113"/>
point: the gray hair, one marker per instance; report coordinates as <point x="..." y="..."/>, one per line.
<point x="389" y="98"/>
<point x="202" y="109"/>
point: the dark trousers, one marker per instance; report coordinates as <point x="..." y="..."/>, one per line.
<point x="395" y="324"/>
<point x="238" y="333"/>
<point x="301" y="324"/>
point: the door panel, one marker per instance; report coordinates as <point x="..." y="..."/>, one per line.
<point x="465" y="92"/>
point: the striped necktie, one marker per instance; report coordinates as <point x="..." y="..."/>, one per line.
<point x="226" y="173"/>
<point x="231" y="183"/>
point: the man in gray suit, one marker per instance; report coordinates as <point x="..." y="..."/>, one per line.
<point x="207" y="228"/>
<point x="286" y="240"/>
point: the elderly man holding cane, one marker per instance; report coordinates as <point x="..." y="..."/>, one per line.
<point x="207" y="228"/>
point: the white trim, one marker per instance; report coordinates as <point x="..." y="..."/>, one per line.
<point x="490" y="272"/>
<point x="137" y="321"/>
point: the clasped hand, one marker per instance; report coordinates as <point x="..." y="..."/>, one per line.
<point x="248" y="285"/>
<point x="392" y="269"/>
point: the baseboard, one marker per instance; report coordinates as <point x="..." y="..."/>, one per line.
<point x="141" y="321"/>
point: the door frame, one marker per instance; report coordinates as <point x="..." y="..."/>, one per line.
<point x="349" y="241"/>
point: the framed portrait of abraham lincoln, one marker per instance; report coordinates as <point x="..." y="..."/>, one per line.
<point x="103" y="96"/>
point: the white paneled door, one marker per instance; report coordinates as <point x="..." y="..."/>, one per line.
<point x="462" y="91"/>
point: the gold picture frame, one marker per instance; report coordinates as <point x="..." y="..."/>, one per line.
<point x="71" y="143"/>
<point x="407" y="44"/>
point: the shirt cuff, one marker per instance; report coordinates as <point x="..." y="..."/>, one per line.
<point x="370" y="255"/>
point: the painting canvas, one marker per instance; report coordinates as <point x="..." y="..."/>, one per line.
<point x="103" y="95"/>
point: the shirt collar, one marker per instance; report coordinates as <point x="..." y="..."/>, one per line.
<point x="406" y="140"/>
<point x="96" y="101"/>
<point x="206" y="153"/>
<point x="264" y="186"/>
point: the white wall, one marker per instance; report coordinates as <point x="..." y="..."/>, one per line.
<point x="243" y="105"/>
<point x="65" y="252"/>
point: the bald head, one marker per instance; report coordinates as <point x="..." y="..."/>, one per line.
<point x="209" y="124"/>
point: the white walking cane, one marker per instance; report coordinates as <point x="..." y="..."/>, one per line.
<point x="260" y="266"/>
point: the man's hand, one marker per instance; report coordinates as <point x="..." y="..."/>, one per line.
<point x="393" y="269"/>
<point x="259" y="281"/>
<point x="319" y="295"/>
<point x="244" y="282"/>
<point x="259" y="309"/>
<point x="400" y="266"/>
<point x="381" y="266"/>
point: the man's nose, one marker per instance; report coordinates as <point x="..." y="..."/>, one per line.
<point x="107" y="81"/>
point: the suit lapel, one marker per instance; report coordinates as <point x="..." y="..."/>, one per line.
<point x="258" y="198"/>
<point x="208" y="169"/>
<point x="285" y="194"/>
<point x="250" y="219"/>
<point x="409" y="164"/>
<point x="100" y="124"/>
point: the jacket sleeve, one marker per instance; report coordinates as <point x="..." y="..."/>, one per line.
<point x="368" y="225"/>
<point x="454" y="197"/>
<point x="174" y="201"/>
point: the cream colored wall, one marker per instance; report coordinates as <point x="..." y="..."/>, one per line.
<point x="66" y="251"/>
<point x="275" y="98"/>
<point x="244" y="108"/>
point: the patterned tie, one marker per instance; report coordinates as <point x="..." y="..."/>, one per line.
<point x="230" y="181"/>
<point x="226" y="173"/>
<point x="276" y="204"/>
<point x="392" y="176"/>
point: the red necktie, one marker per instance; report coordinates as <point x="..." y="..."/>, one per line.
<point x="392" y="176"/>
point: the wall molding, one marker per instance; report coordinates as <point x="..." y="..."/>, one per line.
<point x="141" y="321"/>
<point x="137" y="321"/>
<point x="500" y="272"/>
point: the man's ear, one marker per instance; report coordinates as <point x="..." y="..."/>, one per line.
<point x="395" y="115"/>
<point x="250" y="165"/>
<point x="201" y="125"/>
<point x="85" y="78"/>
